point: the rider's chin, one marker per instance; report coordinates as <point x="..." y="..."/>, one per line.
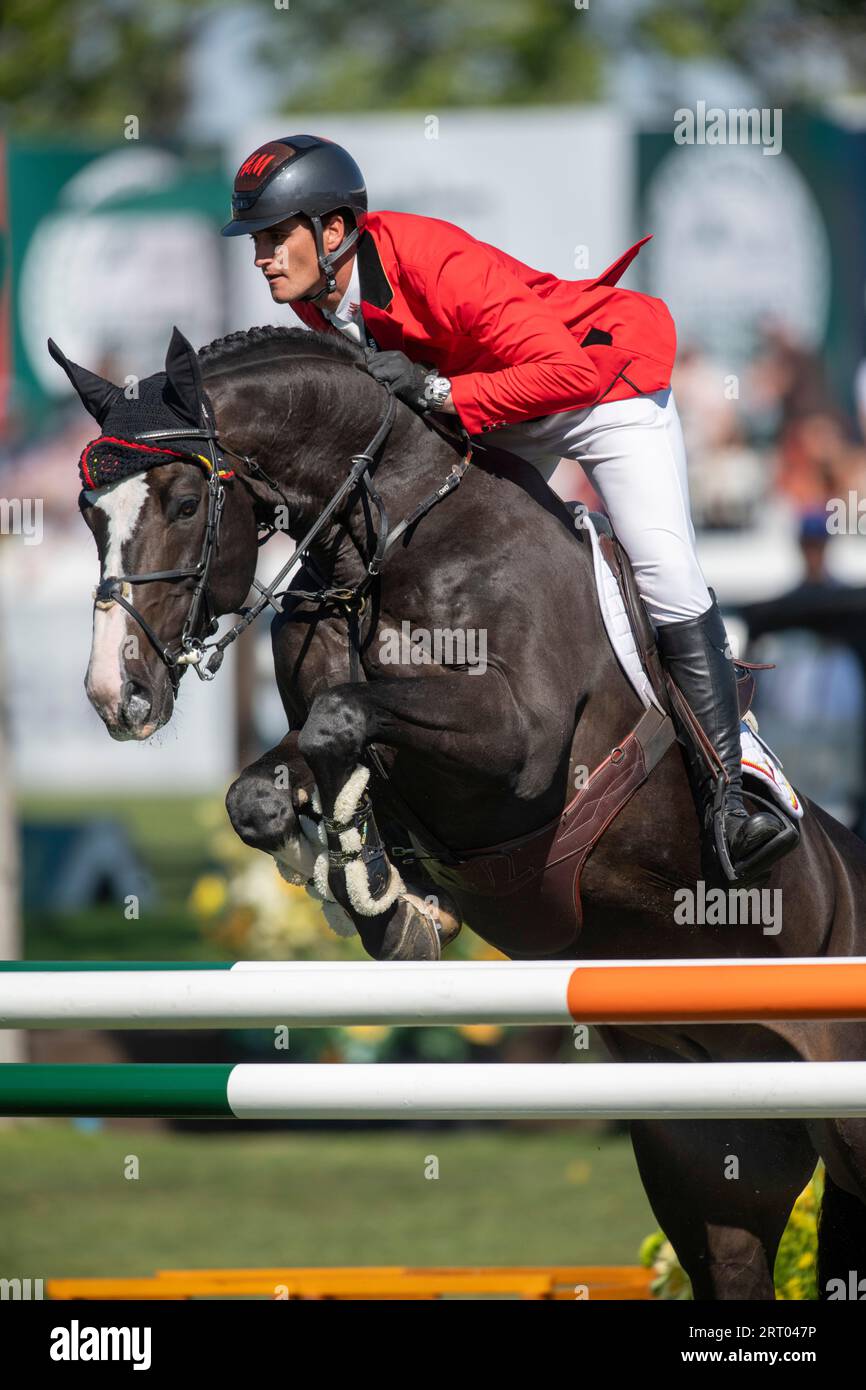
<point x="288" y="290"/>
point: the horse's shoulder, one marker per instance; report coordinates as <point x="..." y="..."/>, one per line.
<point x="512" y="481"/>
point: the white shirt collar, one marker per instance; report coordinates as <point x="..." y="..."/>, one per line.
<point x="347" y="317"/>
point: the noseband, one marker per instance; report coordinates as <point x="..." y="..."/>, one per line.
<point x="207" y="657"/>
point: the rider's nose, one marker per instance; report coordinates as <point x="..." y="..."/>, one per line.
<point x="135" y="704"/>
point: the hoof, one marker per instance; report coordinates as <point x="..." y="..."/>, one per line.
<point x="441" y="909"/>
<point x="411" y="934"/>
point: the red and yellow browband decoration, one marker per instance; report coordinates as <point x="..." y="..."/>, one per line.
<point x="108" y="460"/>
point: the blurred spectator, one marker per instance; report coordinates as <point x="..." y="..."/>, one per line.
<point x="787" y="379"/>
<point x="729" y="482"/>
<point x="811" y="709"/>
<point x="708" y="415"/>
<point x="817" y="459"/>
<point x="814" y="539"/>
<point x="860" y="397"/>
<point x="790" y="403"/>
<point x="727" y="476"/>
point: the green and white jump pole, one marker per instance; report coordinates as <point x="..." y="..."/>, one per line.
<point x="619" y="1091"/>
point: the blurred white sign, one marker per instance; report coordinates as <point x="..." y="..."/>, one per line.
<point x="740" y="241"/>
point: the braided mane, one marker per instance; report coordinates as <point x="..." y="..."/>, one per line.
<point x="236" y="348"/>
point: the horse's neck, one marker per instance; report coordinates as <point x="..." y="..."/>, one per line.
<point x="341" y="556"/>
<point x="412" y="461"/>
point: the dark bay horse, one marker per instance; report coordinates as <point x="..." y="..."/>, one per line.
<point x="390" y="749"/>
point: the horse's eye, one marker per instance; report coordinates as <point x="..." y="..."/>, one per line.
<point x="188" y="507"/>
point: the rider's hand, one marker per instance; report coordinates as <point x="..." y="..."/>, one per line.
<point x="405" y="377"/>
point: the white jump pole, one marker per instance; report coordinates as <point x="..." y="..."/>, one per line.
<point x="619" y="1091"/>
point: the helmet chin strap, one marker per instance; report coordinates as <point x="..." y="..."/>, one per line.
<point x="327" y="263"/>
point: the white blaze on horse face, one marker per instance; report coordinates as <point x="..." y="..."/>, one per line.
<point x="121" y="504"/>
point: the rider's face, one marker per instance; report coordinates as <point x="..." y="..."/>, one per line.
<point x="286" y="255"/>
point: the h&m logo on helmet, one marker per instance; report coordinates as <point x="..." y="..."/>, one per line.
<point x="256" y="164"/>
<point x="253" y="169"/>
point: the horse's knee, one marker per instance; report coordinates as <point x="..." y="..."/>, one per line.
<point x="335" y="727"/>
<point x="262" y="814"/>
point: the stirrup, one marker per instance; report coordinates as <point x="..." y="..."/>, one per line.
<point x="763" y="859"/>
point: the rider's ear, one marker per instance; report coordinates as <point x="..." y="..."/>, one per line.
<point x="97" y="395"/>
<point x="183" y="386"/>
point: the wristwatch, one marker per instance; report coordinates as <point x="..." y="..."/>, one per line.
<point x="437" y="389"/>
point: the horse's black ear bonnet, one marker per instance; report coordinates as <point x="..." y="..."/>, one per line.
<point x="169" y="400"/>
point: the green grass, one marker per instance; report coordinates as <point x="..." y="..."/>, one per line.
<point x="102" y="933"/>
<point x="515" y="1196"/>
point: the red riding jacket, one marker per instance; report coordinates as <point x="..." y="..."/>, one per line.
<point x="517" y="343"/>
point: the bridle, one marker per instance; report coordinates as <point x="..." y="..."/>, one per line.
<point x="118" y="588"/>
<point x="207" y="657"/>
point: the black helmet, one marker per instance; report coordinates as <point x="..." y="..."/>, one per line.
<point x="299" y="174"/>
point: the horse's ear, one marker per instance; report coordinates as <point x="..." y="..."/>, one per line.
<point x="183" y="385"/>
<point x="97" y="395"/>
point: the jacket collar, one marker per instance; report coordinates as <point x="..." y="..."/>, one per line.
<point x="376" y="288"/>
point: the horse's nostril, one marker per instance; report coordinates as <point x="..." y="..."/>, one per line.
<point x="135" y="704"/>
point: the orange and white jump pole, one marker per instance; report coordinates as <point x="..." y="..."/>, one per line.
<point x="307" y="994"/>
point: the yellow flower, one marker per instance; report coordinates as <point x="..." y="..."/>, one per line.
<point x="208" y="896"/>
<point x="482" y="1034"/>
<point x="367" y="1032"/>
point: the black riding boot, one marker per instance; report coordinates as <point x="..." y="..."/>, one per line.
<point x="743" y="845"/>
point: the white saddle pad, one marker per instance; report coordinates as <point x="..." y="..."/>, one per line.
<point x="759" y="761"/>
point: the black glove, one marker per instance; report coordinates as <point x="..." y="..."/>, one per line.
<point x="406" y="378"/>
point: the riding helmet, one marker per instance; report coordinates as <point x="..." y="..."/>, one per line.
<point x="299" y="174"/>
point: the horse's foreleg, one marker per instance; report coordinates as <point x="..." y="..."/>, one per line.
<point x="274" y="806"/>
<point x="436" y="717"/>
<point x="264" y="802"/>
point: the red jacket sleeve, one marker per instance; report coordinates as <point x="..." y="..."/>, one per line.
<point x="544" y="369"/>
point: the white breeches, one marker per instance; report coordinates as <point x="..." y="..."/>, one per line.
<point x="633" y="454"/>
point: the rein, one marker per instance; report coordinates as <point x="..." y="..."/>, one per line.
<point x="207" y="657"/>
